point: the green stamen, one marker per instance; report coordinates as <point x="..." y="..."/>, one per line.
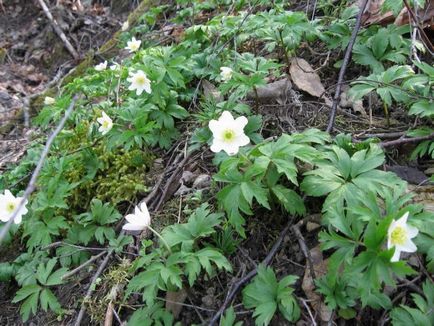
<point x="228" y="135"/>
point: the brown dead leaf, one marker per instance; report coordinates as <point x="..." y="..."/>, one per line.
<point x="308" y="285"/>
<point x="375" y="15"/>
<point x="305" y="78"/>
<point x="423" y="195"/>
<point x="347" y="102"/>
<point x="278" y="91"/>
<point x="174" y="301"/>
<point x="209" y="90"/>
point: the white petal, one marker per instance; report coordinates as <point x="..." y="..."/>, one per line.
<point x="132" y="227"/>
<point x="8" y="195"/>
<point x="139" y="91"/>
<point x="144" y="208"/>
<point x="217" y="145"/>
<point x="242" y="140"/>
<point x="226" y="118"/>
<point x="396" y="255"/>
<point x="18" y="218"/>
<point x="412" y="231"/>
<point x="231" y="148"/>
<point x="133" y="219"/>
<point x="216" y="127"/>
<point x="147" y="88"/>
<point x="403" y="220"/>
<point x="408" y="246"/>
<point x="241" y="122"/>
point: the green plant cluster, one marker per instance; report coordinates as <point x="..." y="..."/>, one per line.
<point x="92" y="178"/>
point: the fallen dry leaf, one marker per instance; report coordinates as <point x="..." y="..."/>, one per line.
<point x="209" y="90"/>
<point x="306" y="79"/>
<point x="278" y="91"/>
<point x="308" y="285"/>
<point x="375" y="15"/>
<point x="174" y="301"/>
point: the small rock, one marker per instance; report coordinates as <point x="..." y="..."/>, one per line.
<point x="187" y="177"/>
<point x="312" y="226"/>
<point x="182" y="190"/>
<point x="429" y="171"/>
<point x="202" y="181"/>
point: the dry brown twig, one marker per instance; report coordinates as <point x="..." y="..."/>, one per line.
<point x="32" y="183"/>
<point x="59" y="31"/>
<point x="345" y="62"/>
<point x="236" y="287"/>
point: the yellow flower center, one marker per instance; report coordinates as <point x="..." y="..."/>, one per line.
<point x="105" y="124"/>
<point x="140" y="80"/>
<point x="10" y="207"/>
<point x="228" y="135"/>
<point x="398" y="236"/>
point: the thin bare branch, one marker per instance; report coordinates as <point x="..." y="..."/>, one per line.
<point x="32" y="184"/>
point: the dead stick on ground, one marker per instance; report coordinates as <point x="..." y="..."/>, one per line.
<point x="402" y="141"/>
<point x="32" y="184"/>
<point x="76" y="270"/>
<point x="169" y="182"/>
<point x="92" y="288"/>
<point x="108" y="321"/>
<point x="59" y="31"/>
<point x="236" y="287"/>
<point x="344" y="67"/>
<point x="425" y="37"/>
<point x="304" y="249"/>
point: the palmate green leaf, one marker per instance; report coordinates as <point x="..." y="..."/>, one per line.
<point x="49" y="301"/>
<point x="44" y="270"/>
<point x="25" y="292"/>
<point x="379" y="43"/>
<point x="265" y="293"/>
<point x="422" y="108"/>
<point x="200" y="224"/>
<point x="393" y="5"/>
<point x="147" y="280"/>
<point x="363" y="55"/>
<point x="251" y="189"/>
<point x="329" y="177"/>
<point x="7" y="271"/>
<point x="151" y="315"/>
<point x="228" y="319"/>
<point x="292" y="201"/>
<point x="422" y="314"/>
<point x="30" y="295"/>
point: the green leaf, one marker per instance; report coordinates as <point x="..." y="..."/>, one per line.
<point x="423" y="108"/>
<point x="252" y="190"/>
<point x="266" y="295"/>
<point x="25" y="292"/>
<point x="292" y="201"/>
<point x="49" y="300"/>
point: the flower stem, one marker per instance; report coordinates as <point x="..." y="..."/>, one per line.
<point x="161" y="238"/>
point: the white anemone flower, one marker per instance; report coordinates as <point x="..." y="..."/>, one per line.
<point x="140" y="220"/>
<point x="399" y="235"/>
<point x="105" y="122"/>
<point x="102" y="66"/>
<point x="139" y="82"/>
<point x="133" y="45"/>
<point x="228" y="133"/>
<point x="8" y="205"/>
<point x="125" y="26"/>
<point x="225" y="73"/>
<point x="49" y="100"/>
